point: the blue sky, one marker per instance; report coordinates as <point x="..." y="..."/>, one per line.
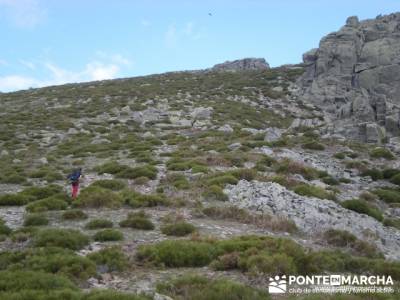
<point x="47" y="42"/>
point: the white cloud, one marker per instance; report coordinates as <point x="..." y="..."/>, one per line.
<point x="23" y="13"/>
<point x="94" y="70"/>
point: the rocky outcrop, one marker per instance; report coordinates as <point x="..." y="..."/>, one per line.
<point x="312" y="215"/>
<point x="245" y="64"/>
<point x="354" y="76"/>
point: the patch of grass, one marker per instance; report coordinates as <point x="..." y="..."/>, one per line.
<point x="215" y="193"/>
<point x="123" y="171"/>
<point x="95" y="197"/>
<point x="363" y="207"/>
<point x="392" y="222"/>
<point x="178" y="164"/>
<point x="4" y="229"/>
<point x="99" y="223"/>
<point x="31" y="194"/>
<point x="395" y="179"/>
<point x="138" y="220"/>
<point x="388" y="195"/>
<point x="135" y="199"/>
<point x="36" y="220"/>
<point x="64" y="238"/>
<point x="110" y="184"/>
<point x="340" y="155"/>
<point x="113" y="258"/>
<point x="313" y="145"/>
<point x="380" y="152"/>
<point x="15" y="281"/>
<point x="313" y="191"/>
<point x="74" y="214"/>
<point x="180" y="228"/>
<point x="178" y="180"/>
<point x="107" y="235"/>
<point x="375" y="174"/>
<point x="200" y="288"/>
<point x="50" y="203"/>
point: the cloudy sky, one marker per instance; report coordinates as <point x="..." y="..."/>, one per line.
<point x="48" y="42"/>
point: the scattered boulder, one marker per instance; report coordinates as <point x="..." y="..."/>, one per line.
<point x="226" y="128"/>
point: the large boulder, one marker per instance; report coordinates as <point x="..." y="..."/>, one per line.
<point x="245" y="64"/>
<point x="354" y="75"/>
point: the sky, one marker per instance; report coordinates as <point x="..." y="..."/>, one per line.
<point x="50" y="42"/>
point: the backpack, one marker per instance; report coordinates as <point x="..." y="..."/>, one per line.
<point x="74" y="177"/>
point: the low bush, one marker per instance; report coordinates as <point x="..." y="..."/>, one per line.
<point x="363" y="207"/>
<point x="31" y="194"/>
<point x="74" y="214"/>
<point x="123" y="171"/>
<point x="94" y="197"/>
<point x="264" y="262"/>
<point x="137" y="200"/>
<point x="388" y="195"/>
<point x="64" y="238"/>
<point x="395" y="179"/>
<point x="313" y="145"/>
<point x="389" y="173"/>
<point x="375" y="174"/>
<point x="392" y="222"/>
<point x="50" y="203"/>
<point x="108" y="235"/>
<point x="138" y="220"/>
<point x="201" y="288"/>
<point x="180" y="228"/>
<point x="15" y="281"/>
<point x="110" y="184"/>
<point x="112" y="258"/>
<point x="99" y="223"/>
<point x="313" y="191"/>
<point x="35" y="220"/>
<point x="380" y="152"/>
<point x="215" y="193"/>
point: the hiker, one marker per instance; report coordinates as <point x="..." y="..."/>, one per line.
<point x="74" y="179"/>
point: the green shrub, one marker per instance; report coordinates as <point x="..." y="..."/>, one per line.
<point x="107" y="235"/>
<point x="29" y="280"/>
<point x="389" y="173"/>
<point x="35" y="220"/>
<point x="200" y="288"/>
<point x="221" y="180"/>
<point x="136" y="200"/>
<point x="392" y="222"/>
<point x="99" y="223"/>
<point x="13" y="199"/>
<point x="339" y="238"/>
<point x="375" y="174"/>
<point x="395" y="179"/>
<point x="148" y="171"/>
<point x="112" y="295"/>
<point x="264" y="262"/>
<point x="179" y="228"/>
<point x="313" y="191"/>
<point x="330" y="180"/>
<point x="95" y="197"/>
<point x="64" y="238"/>
<point x="340" y="155"/>
<point x="388" y="195"/>
<point x="110" y="184"/>
<point x="113" y="258"/>
<point x="363" y="207"/>
<point x="111" y="167"/>
<point x="215" y="193"/>
<point x="380" y="152"/>
<point x="313" y="146"/>
<point x="74" y="214"/>
<point x="50" y="203"/>
<point x="30" y="194"/>
<point x="178" y="253"/>
<point x="138" y="220"/>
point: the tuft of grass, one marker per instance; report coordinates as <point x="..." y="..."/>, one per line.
<point x="392" y="222"/>
<point x="215" y="193"/>
<point x="180" y="228"/>
<point x="363" y="207"/>
<point x="380" y="152"/>
<point x="64" y="238"/>
<point x="388" y="195"/>
<point x="113" y="258"/>
<point x="375" y="174"/>
<point x="50" y="203"/>
<point x="36" y="220"/>
<point x="313" y="145"/>
<point x="313" y="191"/>
<point x="138" y="220"/>
<point x="99" y="223"/>
<point x="95" y="197"/>
<point x="108" y="235"/>
<point x="110" y="184"/>
<point x="74" y="214"/>
<point x="137" y="200"/>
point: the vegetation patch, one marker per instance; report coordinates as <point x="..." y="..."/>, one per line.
<point x="95" y="197"/>
<point x="313" y="191"/>
<point x="64" y="238"/>
<point x="50" y="203"/>
<point x="36" y="220"/>
<point x="179" y="228"/>
<point x="99" y="223"/>
<point x="388" y="195"/>
<point x="136" y="200"/>
<point x="380" y="152"/>
<point x="138" y="220"/>
<point x="74" y="214"/>
<point x="108" y="235"/>
<point x="112" y="257"/>
<point x="363" y="207"/>
<point x="110" y="184"/>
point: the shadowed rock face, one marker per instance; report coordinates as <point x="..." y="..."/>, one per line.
<point x="354" y="75"/>
<point x="242" y="65"/>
